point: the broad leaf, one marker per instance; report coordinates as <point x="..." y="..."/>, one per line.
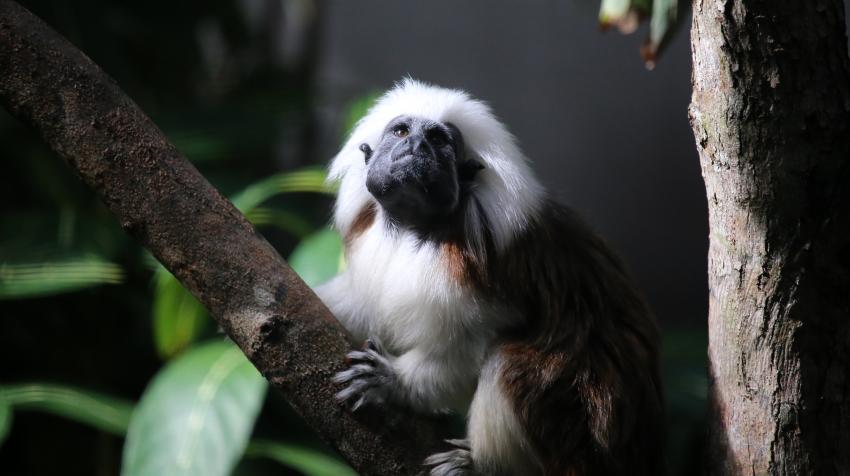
<point x="318" y="258"/>
<point x="27" y="280"/>
<point x="91" y="408"/>
<point x="307" y="461"/>
<point x="178" y="318"/>
<point x="196" y="415"/>
<point x="305" y="180"/>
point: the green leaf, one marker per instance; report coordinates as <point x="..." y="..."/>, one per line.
<point x="307" y="461"/>
<point x="178" y="318"/>
<point x="196" y="415"/>
<point x="357" y="109"/>
<point x="318" y="258"/>
<point x="610" y="9"/>
<point x="624" y="14"/>
<point x="285" y="220"/>
<point x="662" y="25"/>
<point x="26" y="280"/>
<point x="309" y="179"/>
<point x="91" y="408"/>
<point x="5" y="420"/>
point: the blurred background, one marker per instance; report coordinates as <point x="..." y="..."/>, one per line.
<point x="102" y="351"/>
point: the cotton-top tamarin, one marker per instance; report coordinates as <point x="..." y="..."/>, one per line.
<point x="475" y="292"/>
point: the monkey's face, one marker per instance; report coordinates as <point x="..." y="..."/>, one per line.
<point x="418" y="170"/>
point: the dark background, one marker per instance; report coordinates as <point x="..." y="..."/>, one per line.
<point x="249" y="88"/>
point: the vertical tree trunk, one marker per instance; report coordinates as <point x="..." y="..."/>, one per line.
<point x="770" y="113"/>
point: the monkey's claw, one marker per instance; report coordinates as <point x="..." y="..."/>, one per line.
<point x="456" y="462"/>
<point x="370" y="377"/>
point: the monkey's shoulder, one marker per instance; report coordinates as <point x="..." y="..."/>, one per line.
<point x="567" y="281"/>
<point x="557" y="250"/>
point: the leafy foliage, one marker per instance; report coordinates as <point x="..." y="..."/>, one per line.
<point x="626" y="15"/>
<point x="60" y="245"/>
<point x="27" y="280"/>
<point x="306" y="460"/>
<point x="100" y="411"/>
<point x="196" y="416"/>
<point x="178" y="318"/>
<point x="318" y="258"/>
<point x="5" y="420"/>
<point x="357" y="109"/>
<point x="282" y="219"/>
<point x="305" y="180"/>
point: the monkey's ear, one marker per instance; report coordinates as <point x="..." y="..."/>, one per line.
<point x="367" y="151"/>
<point x="467" y="170"/>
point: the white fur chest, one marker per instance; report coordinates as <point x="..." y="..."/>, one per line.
<point x="401" y="291"/>
<point x="404" y="292"/>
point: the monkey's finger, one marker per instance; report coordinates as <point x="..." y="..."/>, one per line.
<point x="447" y="469"/>
<point x="374" y="345"/>
<point x="353" y="372"/>
<point x="434" y="459"/>
<point x="359" y="403"/>
<point x="450" y="463"/>
<point x="367" y="356"/>
<point x="460" y="443"/>
<point x="356" y="387"/>
<point x="360" y="356"/>
<point x="438" y="458"/>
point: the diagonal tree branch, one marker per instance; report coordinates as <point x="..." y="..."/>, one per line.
<point x="162" y="201"/>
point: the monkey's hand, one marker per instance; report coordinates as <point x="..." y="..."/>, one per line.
<point x="371" y="378"/>
<point x="456" y="462"/>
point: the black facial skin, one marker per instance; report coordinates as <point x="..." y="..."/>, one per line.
<point x="418" y="172"/>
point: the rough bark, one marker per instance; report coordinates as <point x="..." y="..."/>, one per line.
<point x="771" y="95"/>
<point x="164" y="202"/>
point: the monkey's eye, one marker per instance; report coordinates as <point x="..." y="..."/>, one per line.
<point x="401" y="130"/>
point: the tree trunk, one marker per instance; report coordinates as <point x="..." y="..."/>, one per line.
<point x="771" y="95"/>
<point x="162" y="201"/>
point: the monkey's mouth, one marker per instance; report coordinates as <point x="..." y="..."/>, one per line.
<point x="411" y="172"/>
<point x="395" y="185"/>
<point x="413" y="162"/>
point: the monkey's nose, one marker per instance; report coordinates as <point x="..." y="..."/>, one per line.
<point x="417" y="145"/>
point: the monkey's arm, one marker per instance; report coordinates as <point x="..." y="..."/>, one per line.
<point x="429" y="378"/>
<point x="419" y="379"/>
<point x="337" y="295"/>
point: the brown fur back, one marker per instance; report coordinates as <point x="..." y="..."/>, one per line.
<point x="582" y="370"/>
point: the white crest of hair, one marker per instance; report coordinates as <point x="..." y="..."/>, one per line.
<point x="506" y="188"/>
